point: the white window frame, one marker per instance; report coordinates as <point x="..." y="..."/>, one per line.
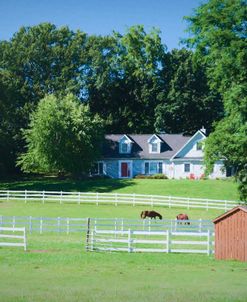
<point x="157" y="167"/>
<point x="103" y="168"/>
<point x="189" y="167"/>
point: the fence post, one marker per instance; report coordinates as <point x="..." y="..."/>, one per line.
<point x="13" y="222"/>
<point x="67" y="225"/>
<point x="41" y="226"/>
<point x="169" y="201"/>
<point x="88" y="234"/>
<point x="116" y="199"/>
<point x="200" y="225"/>
<point x="188" y="203"/>
<point x="25" y="196"/>
<point x="209" y="242"/>
<point x="43" y="197"/>
<point x="97" y="198"/>
<point x="25" y="240"/>
<point x="207" y="205"/>
<point x="129" y="241"/>
<point x="133" y="199"/>
<point x="225" y="205"/>
<point x="168" y="241"/>
<point x="30" y="224"/>
<point x="8" y="195"/>
<point x="58" y="224"/>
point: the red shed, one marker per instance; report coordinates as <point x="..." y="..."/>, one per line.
<point x="231" y="234"/>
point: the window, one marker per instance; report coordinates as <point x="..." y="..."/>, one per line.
<point x="199" y="146"/>
<point x="154" y="147"/>
<point x="153" y="167"/>
<point x="186" y="167"/>
<point x="124" y="148"/>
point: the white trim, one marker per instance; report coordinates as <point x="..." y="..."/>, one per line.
<point x="153" y="161"/>
<point x="158" y="143"/>
<point x="190" y="165"/>
<point x="188" y="143"/>
<point x="130" y="165"/>
<point x="127" y="141"/>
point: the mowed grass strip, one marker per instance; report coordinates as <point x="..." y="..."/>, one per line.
<point x="213" y="189"/>
<point x="37" y="209"/>
<point x="57" y="268"/>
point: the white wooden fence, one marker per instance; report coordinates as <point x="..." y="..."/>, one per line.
<point x="9" y="237"/>
<point x="117" y="199"/>
<point x="71" y="225"/>
<point x="154" y="241"/>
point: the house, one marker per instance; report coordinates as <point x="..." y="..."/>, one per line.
<point x="231" y="234"/>
<point x="175" y="155"/>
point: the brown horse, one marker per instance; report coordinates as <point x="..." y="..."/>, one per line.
<point x="183" y="217"/>
<point x="151" y="214"/>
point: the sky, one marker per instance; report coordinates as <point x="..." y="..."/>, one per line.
<point x="100" y="17"/>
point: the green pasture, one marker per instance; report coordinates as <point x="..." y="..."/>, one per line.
<point x="37" y="209"/>
<point x="214" y="189"/>
<point x="57" y="268"/>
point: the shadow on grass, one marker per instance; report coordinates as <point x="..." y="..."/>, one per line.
<point x="54" y="184"/>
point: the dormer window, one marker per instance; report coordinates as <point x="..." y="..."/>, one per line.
<point x="154" y="144"/>
<point x="125" y="144"/>
<point x="124" y="147"/>
<point x="154" y="147"/>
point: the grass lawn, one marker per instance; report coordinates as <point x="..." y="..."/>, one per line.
<point x="37" y="209"/>
<point x="214" y="189"/>
<point x="56" y="268"/>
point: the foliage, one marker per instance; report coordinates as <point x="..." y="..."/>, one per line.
<point x="154" y="176"/>
<point x="37" y="60"/>
<point x="219" y="35"/>
<point x="189" y="104"/>
<point x="123" y="79"/>
<point x="63" y="137"/>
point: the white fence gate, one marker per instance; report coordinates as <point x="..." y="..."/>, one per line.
<point x="152" y="241"/>
<point x="8" y="237"/>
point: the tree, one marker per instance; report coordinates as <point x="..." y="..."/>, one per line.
<point x="37" y="60"/>
<point x="123" y="79"/>
<point x="63" y="137"/>
<point x="189" y="103"/>
<point x="219" y="36"/>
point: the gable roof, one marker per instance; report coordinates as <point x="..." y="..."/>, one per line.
<point x="230" y="212"/>
<point x="170" y="144"/>
<point x="191" y="138"/>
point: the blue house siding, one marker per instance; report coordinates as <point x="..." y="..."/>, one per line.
<point x="111" y="168"/>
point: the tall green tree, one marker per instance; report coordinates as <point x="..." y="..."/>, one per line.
<point x="37" y="60"/>
<point x="63" y="137"/>
<point x="124" y="80"/>
<point x="189" y="103"/>
<point x="219" y="35"/>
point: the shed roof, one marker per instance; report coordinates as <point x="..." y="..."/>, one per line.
<point x="228" y="213"/>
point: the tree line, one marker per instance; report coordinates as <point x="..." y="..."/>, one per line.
<point x="130" y="83"/>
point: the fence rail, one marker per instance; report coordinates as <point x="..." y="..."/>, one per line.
<point x="9" y="237"/>
<point x="71" y="225"/>
<point x="155" y="241"/>
<point x="116" y="199"/>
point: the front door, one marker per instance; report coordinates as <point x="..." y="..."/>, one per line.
<point x="125" y="169"/>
